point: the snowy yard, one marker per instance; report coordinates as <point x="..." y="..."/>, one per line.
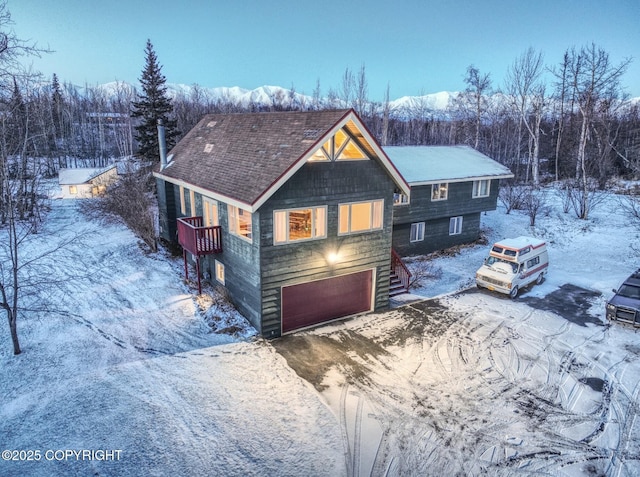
<point x="468" y="383"/>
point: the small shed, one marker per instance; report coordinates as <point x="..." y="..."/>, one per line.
<point x="86" y="182"/>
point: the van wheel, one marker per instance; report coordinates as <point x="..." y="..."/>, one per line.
<point x="514" y="292"/>
<point x="540" y="279"/>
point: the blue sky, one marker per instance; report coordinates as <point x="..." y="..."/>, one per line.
<point x="414" y="46"/>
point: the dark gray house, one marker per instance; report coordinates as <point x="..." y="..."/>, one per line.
<point x="450" y="187"/>
<point x="292" y="212"/>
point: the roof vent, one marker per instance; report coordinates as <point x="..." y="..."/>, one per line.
<point x="208" y="147"/>
<point x="212" y="124"/>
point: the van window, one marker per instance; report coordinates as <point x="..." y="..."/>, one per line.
<point x="510" y="253"/>
<point x="534" y="261"/>
<point x="497" y="249"/>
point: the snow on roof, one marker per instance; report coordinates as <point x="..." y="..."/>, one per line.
<point x="520" y="242"/>
<point x="429" y="164"/>
<point x="80" y="175"/>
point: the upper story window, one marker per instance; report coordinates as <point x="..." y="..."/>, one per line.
<point x="240" y="222"/>
<point x="400" y="198"/>
<point x="340" y="147"/>
<point x="360" y="217"/>
<point x="439" y="191"/>
<point x="210" y="212"/>
<point x="481" y="188"/>
<point x="299" y="224"/>
<point x="417" y="232"/>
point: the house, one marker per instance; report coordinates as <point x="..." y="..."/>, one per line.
<point x="450" y="187"/>
<point x="292" y="212"/>
<point x="83" y="183"/>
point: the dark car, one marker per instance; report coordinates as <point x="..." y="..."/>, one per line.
<point x="625" y="304"/>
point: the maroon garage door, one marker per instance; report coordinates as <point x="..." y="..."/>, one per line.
<point x="322" y="300"/>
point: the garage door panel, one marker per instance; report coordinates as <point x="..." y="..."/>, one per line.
<point x="314" y="302"/>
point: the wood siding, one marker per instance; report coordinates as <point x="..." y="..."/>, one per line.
<point x="436" y="215"/>
<point x="330" y="184"/>
<point x="436" y="235"/>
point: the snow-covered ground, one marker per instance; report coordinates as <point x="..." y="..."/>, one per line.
<point x="469" y="383"/>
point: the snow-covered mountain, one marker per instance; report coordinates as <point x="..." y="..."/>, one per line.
<point x="276" y="95"/>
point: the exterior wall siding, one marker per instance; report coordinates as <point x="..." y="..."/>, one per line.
<point x="330" y="184"/>
<point x="436" y="215"/>
<point x="436" y="235"/>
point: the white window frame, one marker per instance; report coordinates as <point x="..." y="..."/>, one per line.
<point x="477" y="188"/>
<point x="417" y="232"/>
<point x="282" y="228"/>
<point x="455" y="225"/>
<point x="219" y="271"/>
<point x="234" y="222"/>
<point x="210" y="214"/>
<point x="73" y="190"/>
<point x="437" y="189"/>
<point x="400" y="199"/>
<point x="376" y="222"/>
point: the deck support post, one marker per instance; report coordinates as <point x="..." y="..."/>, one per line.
<point x="186" y="267"/>
<point x="198" y="273"/>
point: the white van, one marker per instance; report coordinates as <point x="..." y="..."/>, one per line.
<point x="513" y="264"/>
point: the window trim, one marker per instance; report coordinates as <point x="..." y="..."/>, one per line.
<point x="372" y="217"/>
<point x="457" y="225"/>
<point x="440" y="185"/>
<point x="183" y="205"/>
<point x="192" y="202"/>
<point x="219" y="267"/>
<point x="234" y="222"/>
<point x="287" y="228"/>
<point x="419" y="227"/>
<point x="476" y="188"/>
<point x="208" y="205"/>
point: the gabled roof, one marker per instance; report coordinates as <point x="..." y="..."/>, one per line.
<point x="243" y="158"/>
<point x="81" y="175"/>
<point x="432" y="164"/>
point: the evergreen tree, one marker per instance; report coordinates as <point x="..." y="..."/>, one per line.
<point x="153" y="104"/>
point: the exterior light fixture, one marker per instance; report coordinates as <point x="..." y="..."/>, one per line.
<point x="332" y="257"/>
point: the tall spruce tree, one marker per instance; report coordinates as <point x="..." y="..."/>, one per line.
<point x="153" y="104"/>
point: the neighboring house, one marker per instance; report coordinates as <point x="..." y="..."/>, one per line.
<point x="83" y="183"/>
<point x="290" y="211"/>
<point x="450" y="187"/>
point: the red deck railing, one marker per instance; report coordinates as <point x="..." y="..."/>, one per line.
<point x="197" y="239"/>
<point x="401" y="270"/>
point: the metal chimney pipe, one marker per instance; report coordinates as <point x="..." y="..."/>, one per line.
<point x="162" y="144"/>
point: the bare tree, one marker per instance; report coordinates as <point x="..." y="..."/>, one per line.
<point x="474" y="99"/>
<point x="527" y="95"/>
<point x="361" y="98"/>
<point x="597" y="84"/>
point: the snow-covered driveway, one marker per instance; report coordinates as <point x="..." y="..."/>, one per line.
<point x="126" y="363"/>
<point x="477" y="384"/>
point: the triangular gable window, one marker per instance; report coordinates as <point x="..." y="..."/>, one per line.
<point x="341" y="147"/>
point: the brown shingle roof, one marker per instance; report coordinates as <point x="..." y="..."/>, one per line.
<point x="241" y="156"/>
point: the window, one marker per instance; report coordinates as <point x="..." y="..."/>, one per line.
<point x="417" y="232"/>
<point x="533" y="262"/>
<point x="340" y="147"/>
<point x="299" y="224"/>
<point x="219" y="272"/>
<point x="360" y="217"/>
<point x="439" y="191"/>
<point x="481" y="188"/>
<point x="183" y="206"/>
<point x="400" y="199"/>
<point x="210" y="212"/>
<point x="455" y="226"/>
<point x="239" y="222"/>
<point x="73" y="189"/>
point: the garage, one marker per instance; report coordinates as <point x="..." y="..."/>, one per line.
<point x="318" y="301"/>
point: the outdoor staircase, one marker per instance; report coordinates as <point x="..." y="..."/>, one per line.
<point x="396" y="286"/>
<point x="399" y="276"/>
